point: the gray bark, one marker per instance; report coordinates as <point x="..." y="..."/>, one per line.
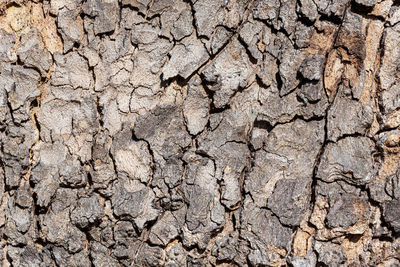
<point x="199" y="133"/>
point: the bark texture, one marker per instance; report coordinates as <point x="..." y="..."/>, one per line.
<point x="200" y="133"/>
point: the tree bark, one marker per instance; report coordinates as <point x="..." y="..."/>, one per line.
<point x="200" y="133"/>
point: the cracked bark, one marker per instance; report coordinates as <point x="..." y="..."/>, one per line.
<point x="199" y="133"/>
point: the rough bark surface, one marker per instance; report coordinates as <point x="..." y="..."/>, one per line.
<point x="200" y="133"/>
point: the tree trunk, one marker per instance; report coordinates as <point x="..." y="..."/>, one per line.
<point x="200" y="133"/>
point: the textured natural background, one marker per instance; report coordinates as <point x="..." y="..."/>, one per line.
<point x="200" y="133"/>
